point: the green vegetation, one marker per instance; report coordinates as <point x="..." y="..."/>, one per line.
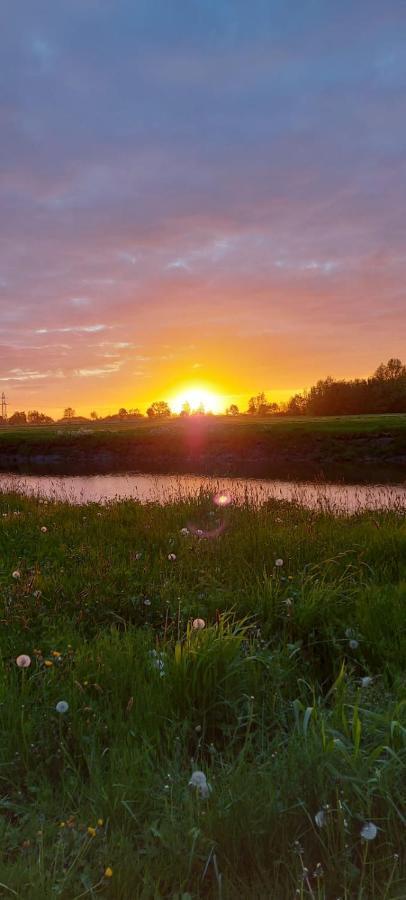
<point x="290" y="700"/>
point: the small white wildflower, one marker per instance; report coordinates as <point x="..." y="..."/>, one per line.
<point x="44" y="529"/>
<point x="23" y="661"/>
<point x="198" y="624"/>
<point x="279" y="563"/>
<point x="369" y="831"/>
<point x="320" y="818"/>
<point x="62" y="706"/>
<point x="17" y="574"/>
<point x="172" y="557"/>
<point x="366" y="681"/>
<point x="184" y="531"/>
<point x="199" y="781"/>
<point x="37" y="594"/>
<point x="138" y="554"/>
<point x="353" y="644"/>
<point x="147" y="601"/>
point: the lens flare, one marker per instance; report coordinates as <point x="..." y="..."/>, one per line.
<point x="222" y="499"/>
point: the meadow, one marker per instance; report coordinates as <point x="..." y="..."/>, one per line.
<point x="264" y="648"/>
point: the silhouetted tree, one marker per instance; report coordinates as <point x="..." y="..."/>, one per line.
<point x="94" y="415"/>
<point x="159" y="410"/>
<point x="18" y="418"/>
<point x="122" y="413"/>
<point x="69" y="413"/>
<point x="260" y="406"/>
<point x="38" y="418"/>
<point x="232" y="410"/>
<point x="185" y="411"/>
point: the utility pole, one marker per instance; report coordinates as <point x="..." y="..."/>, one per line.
<point x="3" y="407"/>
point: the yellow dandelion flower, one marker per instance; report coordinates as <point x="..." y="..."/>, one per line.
<point x="62" y="824"/>
<point x="55" y="653"/>
<point x="91" y="831"/>
<point x="100" y="822"/>
<point x="108" y="872"/>
<point x="48" y="663"/>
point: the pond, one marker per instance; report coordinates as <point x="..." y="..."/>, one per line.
<point x="332" y="497"/>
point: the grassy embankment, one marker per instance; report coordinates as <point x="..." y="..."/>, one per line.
<point x="269" y="700"/>
<point x="219" y="445"/>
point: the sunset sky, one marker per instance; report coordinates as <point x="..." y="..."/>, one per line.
<point x="196" y="193"/>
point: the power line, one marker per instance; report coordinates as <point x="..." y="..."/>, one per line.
<point x="4" y="407"/>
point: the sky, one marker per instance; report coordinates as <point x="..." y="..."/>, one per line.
<point x="198" y="193"/>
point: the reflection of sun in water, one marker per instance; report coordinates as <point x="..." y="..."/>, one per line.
<point x="196" y="398"/>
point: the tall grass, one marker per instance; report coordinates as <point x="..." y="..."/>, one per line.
<point x="291" y="700"/>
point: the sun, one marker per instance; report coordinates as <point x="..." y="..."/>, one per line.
<point x="196" y="398"/>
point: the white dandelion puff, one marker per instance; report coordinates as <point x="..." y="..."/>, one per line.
<point x="320" y="818"/>
<point x="369" y="831"/>
<point x="199" y="781"/>
<point x="62" y="707"/>
<point x="198" y="624"/>
<point x="23" y="661"/>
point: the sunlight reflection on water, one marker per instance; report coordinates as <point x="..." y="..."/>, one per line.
<point x="339" y="498"/>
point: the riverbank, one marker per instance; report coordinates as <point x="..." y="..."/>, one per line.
<point x="289" y="700"/>
<point x="351" y="448"/>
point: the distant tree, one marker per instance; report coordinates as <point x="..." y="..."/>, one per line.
<point x="135" y="413"/>
<point x="232" y="410"/>
<point x="394" y="369"/>
<point x="94" y="414"/>
<point x="260" y="406"/>
<point x="38" y="418"/>
<point x="159" y="410"/>
<point x="185" y="411"/>
<point x="199" y="411"/>
<point x="18" y="418"/>
<point x="297" y="405"/>
<point x="122" y="413"/>
<point x="69" y="413"/>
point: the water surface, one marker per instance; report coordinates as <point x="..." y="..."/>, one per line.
<point x="345" y="498"/>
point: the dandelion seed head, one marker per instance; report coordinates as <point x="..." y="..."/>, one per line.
<point x="279" y="563"/>
<point x="62" y="706"/>
<point x="23" y="661"/>
<point x="172" y="557"/>
<point x="199" y="781"/>
<point x="366" y="681"/>
<point x="44" y="529"/>
<point x="320" y="818"/>
<point x="353" y="644"/>
<point x="369" y="831"/>
<point x="16" y="574"/>
<point x="198" y="624"/>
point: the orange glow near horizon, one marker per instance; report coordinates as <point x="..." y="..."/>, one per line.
<point x="196" y="396"/>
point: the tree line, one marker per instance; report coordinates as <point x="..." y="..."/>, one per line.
<point x="382" y="392"/>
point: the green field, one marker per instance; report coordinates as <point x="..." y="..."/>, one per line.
<point x="291" y="701"/>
